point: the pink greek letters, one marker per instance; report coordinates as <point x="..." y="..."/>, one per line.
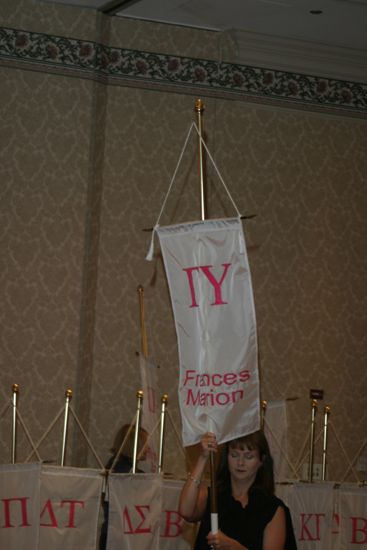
<point x="216" y="284"/>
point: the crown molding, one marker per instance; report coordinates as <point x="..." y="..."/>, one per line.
<point x="285" y="54"/>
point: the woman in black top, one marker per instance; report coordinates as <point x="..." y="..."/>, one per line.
<point x="250" y="516"/>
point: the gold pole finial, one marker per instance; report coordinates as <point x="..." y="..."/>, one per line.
<point x="69" y="393"/>
<point x="199" y="106"/>
<point x="15" y="388"/>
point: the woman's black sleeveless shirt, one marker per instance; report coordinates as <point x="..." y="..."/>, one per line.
<point x="245" y="525"/>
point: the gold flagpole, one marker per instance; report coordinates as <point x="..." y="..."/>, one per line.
<point x="325" y="441"/>
<point x="15" y="390"/>
<point x="68" y="396"/>
<point x="143" y="332"/>
<point x="164" y="402"/>
<point x="312" y="439"/>
<point x="139" y="397"/>
<point x="199" y="109"/>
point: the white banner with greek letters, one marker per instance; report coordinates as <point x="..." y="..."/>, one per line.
<point x="352" y="517"/>
<point x="176" y="533"/>
<point x="20" y="498"/>
<point x="312" y="510"/>
<point x="70" y="503"/>
<point x="135" y="503"/>
<point x="211" y="292"/>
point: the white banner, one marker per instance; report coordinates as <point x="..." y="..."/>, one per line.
<point x="275" y="429"/>
<point x="175" y="533"/>
<point x="211" y="292"/>
<point x="20" y="497"/>
<point x="151" y="411"/>
<point x="352" y="517"/>
<point x="312" y="510"/>
<point x="135" y="503"/>
<point x="70" y="503"/>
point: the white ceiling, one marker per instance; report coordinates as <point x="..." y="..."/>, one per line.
<point x="341" y="23"/>
<point x="283" y="34"/>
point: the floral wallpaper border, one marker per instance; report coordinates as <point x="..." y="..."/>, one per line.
<point x="182" y="74"/>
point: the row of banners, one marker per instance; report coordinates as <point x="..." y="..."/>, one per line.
<point x="50" y="507"/>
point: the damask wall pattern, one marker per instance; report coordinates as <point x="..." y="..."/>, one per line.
<point x="86" y="162"/>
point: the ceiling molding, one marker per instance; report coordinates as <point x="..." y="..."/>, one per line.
<point x="261" y="50"/>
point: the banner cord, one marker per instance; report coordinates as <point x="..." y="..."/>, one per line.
<point x="46" y="433"/>
<point x="19" y="416"/>
<point x="295" y="472"/>
<point x="5" y="408"/>
<point x="350" y="464"/>
<point x="86" y="438"/>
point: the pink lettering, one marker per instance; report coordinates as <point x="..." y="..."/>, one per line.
<point x="217" y="285"/>
<point x="73" y="504"/>
<point x="23" y="510"/>
<point x="172" y="524"/>
<point x="126" y="520"/>
<point x="152" y="400"/>
<point x="359" y="525"/>
<point x="48" y="508"/>
<point x="140" y="529"/>
<point x="306" y="533"/>
<point x="189" y="271"/>
<point x="336" y="520"/>
<point x="140" y="511"/>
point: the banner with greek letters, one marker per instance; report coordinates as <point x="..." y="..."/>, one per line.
<point x="175" y="533"/>
<point x="352" y="518"/>
<point x="69" y="508"/>
<point x="135" y="503"/>
<point x="312" y="510"/>
<point x="211" y="292"/>
<point x="20" y="499"/>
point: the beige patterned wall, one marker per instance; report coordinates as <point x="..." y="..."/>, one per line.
<point x="85" y="168"/>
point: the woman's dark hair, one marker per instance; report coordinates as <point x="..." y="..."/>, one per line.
<point x="265" y="475"/>
<point x="126" y="435"/>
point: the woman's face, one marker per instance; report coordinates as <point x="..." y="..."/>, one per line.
<point x="243" y="464"/>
